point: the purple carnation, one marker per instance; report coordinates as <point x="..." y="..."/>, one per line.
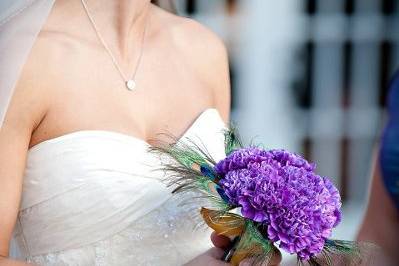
<point x="280" y="190"/>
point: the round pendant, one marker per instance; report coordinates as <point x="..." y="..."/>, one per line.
<point x="130" y="84"/>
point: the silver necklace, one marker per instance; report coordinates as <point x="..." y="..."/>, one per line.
<point x="129" y="82"/>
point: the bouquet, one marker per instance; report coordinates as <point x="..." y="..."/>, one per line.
<point x="263" y="199"/>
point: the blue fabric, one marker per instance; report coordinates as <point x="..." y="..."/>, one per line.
<point x="389" y="153"/>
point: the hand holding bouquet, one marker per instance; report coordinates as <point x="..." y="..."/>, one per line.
<point x="263" y="198"/>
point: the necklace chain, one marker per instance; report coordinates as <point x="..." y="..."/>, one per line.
<point x="129" y="82"/>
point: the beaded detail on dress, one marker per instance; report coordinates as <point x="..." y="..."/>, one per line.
<point x="170" y="231"/>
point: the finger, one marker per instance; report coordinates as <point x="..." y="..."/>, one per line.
<point x="220" y="241"/>
<point x="246" y="262"/>
<point x="216" y="253"/>
<point x="276" y="258"/>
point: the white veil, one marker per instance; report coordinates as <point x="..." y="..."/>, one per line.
<point x="20" y="23"/>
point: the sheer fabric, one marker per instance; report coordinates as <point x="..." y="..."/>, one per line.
<point x="20" y="23"/>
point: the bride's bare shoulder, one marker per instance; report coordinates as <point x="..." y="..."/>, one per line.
<point x="189" y="34"/>
<point x="202" y="50"/>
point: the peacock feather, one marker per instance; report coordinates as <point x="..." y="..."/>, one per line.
<point x="232" y="141"/>
<point x="345" y="253"/>
<point x="191" y="168"/>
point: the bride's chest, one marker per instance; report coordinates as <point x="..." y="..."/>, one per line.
<point x="107" y="162"/>
<point x="85" y="186"/>
<point x="88" y="92"/>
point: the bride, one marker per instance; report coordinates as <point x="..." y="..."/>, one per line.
<point x="78" y="114"/>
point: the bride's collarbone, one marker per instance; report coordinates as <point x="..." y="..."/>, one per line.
<point x="82" y="102"/>
<point x="87" y="92"/>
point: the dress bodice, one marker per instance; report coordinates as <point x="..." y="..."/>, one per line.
<point x="95" y="197"/>
<point x="389" y="153"/>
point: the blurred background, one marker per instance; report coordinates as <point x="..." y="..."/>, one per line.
<point x="311" y="76"/>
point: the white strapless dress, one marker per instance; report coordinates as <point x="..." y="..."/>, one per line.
<point x="95" y="197"/>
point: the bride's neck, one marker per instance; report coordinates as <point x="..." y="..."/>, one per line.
<point x="120" y="20"/>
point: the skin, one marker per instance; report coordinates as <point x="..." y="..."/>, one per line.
<point x="69" y="84"/>
<point x="221" y="243"/>
<point x="381" y="221"/>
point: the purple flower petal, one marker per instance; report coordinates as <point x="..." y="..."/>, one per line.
<point x="281" y="190"/>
